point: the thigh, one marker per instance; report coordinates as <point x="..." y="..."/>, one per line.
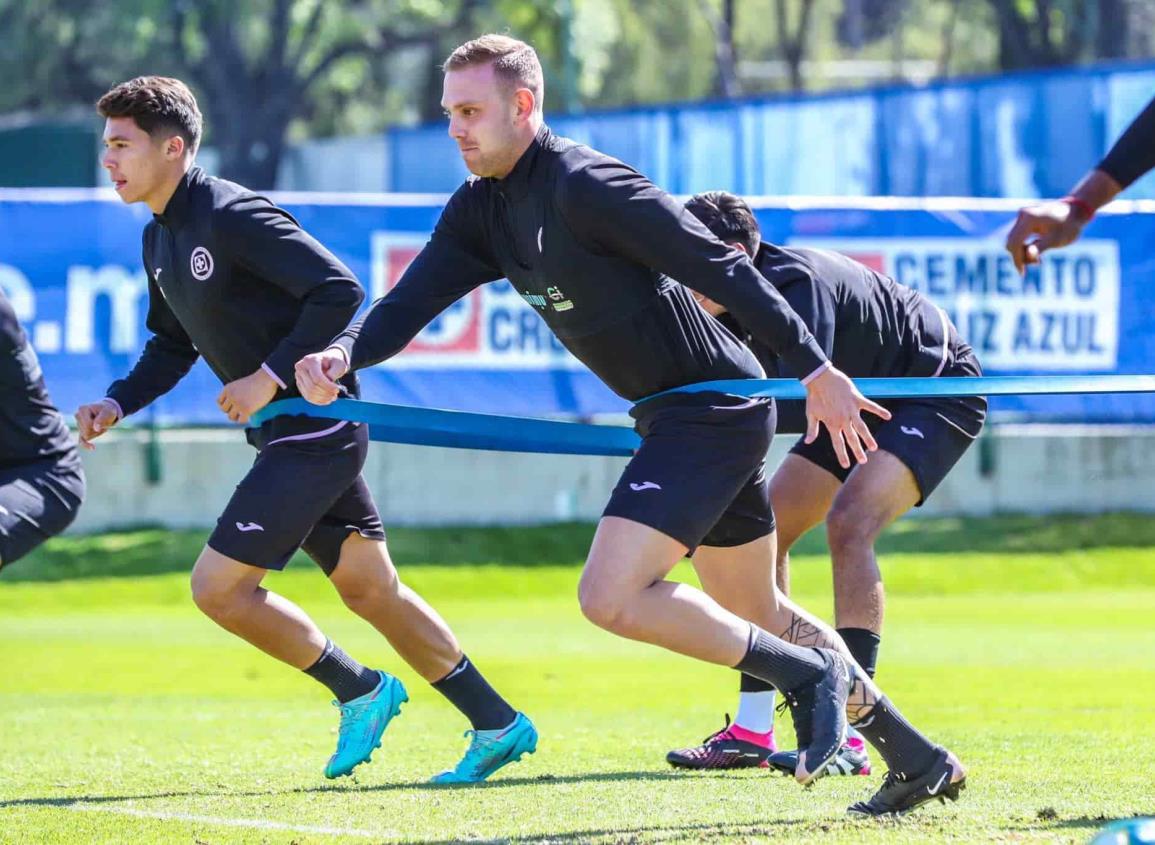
<point x="740" y="578"/>
<point x="876" y="493"/>
<point x="286" y="494"/>
<point x="929" y="437"/>
<point x="626" y="557"/>
<point x="692" y="464"/>
<point x="354" y="512"/>
<point x="218" y="573"/>
<point x="37" y="501"/>
<point x="748" y="517"/>
<point x="801" y="493"/>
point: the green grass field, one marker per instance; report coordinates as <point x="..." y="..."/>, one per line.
<point x="1027" y="645"/>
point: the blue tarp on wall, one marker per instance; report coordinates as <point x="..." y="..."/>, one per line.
<point x="69" y="261"/>
<point x="1016" y="135"/>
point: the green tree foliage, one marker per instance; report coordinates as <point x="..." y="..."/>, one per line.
<point x="271" y="71"/>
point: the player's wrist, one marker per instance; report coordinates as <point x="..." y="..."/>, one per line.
<point x="270" y="376"/>
<point x="112" y="403"/>
<point x="338" y="351"/>
<point x="1081" y="210"/>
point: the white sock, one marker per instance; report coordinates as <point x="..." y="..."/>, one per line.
<point x="756" y="711"/>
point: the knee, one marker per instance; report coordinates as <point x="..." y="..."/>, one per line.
<point x="850" y="527"/>
<point x="370" y="593"/>
<point x="600" y="606"/>
<point x="219" y="601"/>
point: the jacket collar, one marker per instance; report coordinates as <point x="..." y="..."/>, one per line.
<point x="179" y="207"/>
<point x="516" y="184"/>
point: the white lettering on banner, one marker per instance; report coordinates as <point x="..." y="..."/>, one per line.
<point x="19" y="292"/>
<point x="493" y="327"/>
<point x="1063" y="315"/>
<point x="124" y="290"/>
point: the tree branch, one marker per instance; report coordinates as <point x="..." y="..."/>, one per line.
<point x="308" y="34"/>
<point x="728" y="85"/>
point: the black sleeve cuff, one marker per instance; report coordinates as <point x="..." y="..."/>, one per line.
<point x="805" y="359"/>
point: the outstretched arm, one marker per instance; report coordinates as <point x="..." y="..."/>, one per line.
<point x="1055" y="224"/>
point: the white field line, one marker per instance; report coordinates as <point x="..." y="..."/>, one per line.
<point x="226" y="821"/>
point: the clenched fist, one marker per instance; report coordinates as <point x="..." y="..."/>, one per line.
<point x="96" y="418"/>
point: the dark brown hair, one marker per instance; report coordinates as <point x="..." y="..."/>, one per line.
<point x="515" y="62"/>
<point x="159" y="105"/>
<point x="728" y="216"/>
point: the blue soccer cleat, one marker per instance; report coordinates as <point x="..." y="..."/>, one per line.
<point x="363" y="720"/>
<point x="490" y="750"/>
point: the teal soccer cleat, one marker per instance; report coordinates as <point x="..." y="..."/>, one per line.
<point x="363" y="720"/>
<point x="490" y="750"/>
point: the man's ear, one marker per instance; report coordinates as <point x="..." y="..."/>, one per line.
<point x="175" y="147"/>
<point x="525" y="102"/>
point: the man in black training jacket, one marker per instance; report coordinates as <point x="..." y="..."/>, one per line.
<point x="590" y="243"/>
<point x="41" y="480"/>
<point x="869" y="326"/>
<point x="233" y="278"/>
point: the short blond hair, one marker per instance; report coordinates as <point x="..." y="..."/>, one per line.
<point x="514" y="62"/>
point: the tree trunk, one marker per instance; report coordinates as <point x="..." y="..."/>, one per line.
<point x="793" y="45"/>
<point x="1113" y="29"/>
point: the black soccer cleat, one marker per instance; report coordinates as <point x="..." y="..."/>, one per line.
<point x="819" y="713"/>
<point x="900" y="794"/>
<point x="850" y="760"/>
<point x="721" y="750"/>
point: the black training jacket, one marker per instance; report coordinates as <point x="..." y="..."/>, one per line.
<point x="31" y="429"/>
<point x="592" y="246"/>
<point x="235" y="279"/>
<point x="1134" y="153"/>
<point x="866" y="323"/>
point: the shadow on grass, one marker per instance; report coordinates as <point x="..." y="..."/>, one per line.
<point x="505" y="783"/>
<point x="152" y="550"/>
<point x="355" y="788"/>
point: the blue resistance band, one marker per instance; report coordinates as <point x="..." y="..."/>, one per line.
<point x="908" y="388"/>
<point x="463" y="430"/>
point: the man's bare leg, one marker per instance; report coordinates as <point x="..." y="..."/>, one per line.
<point x="623" y="589"/>
<point x="369" y="585"/>
<point x="873" y="497"/>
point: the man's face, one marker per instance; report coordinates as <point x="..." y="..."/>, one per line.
<point x="483" y="120"/>
<point x="137" y="164"/>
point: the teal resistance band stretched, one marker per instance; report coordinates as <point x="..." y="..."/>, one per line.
<point x="462" y="430"/>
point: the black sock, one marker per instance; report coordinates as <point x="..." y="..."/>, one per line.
<point x="470" y="693"/>
<point x="778" y="662"/>
<point x="345" y="677"/>
<point x="863" y="645"/>
<point x="905" y="750"/>
<point x="748" y="683"/>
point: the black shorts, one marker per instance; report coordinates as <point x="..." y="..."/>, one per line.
<point x="699" y="475"/>
<point x="37" y="501"/>
<point x="927" y="435"/>
<point x="303" y="491"/>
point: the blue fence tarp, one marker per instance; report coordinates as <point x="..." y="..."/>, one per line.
<point x="1014" y="135"/>
<point x="69" y="261"/>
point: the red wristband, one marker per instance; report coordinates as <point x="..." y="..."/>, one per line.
<point x="1082" y="208"/>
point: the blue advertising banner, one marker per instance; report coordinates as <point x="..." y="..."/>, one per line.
<point x="70" y="263"/>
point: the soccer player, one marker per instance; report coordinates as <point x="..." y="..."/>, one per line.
<point x="1050" y="225"/>
<point x="868" y="325"/>
<point x="588" y="241"/>
<point x="41" y="480"/>
<point x="233" y="277"/>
